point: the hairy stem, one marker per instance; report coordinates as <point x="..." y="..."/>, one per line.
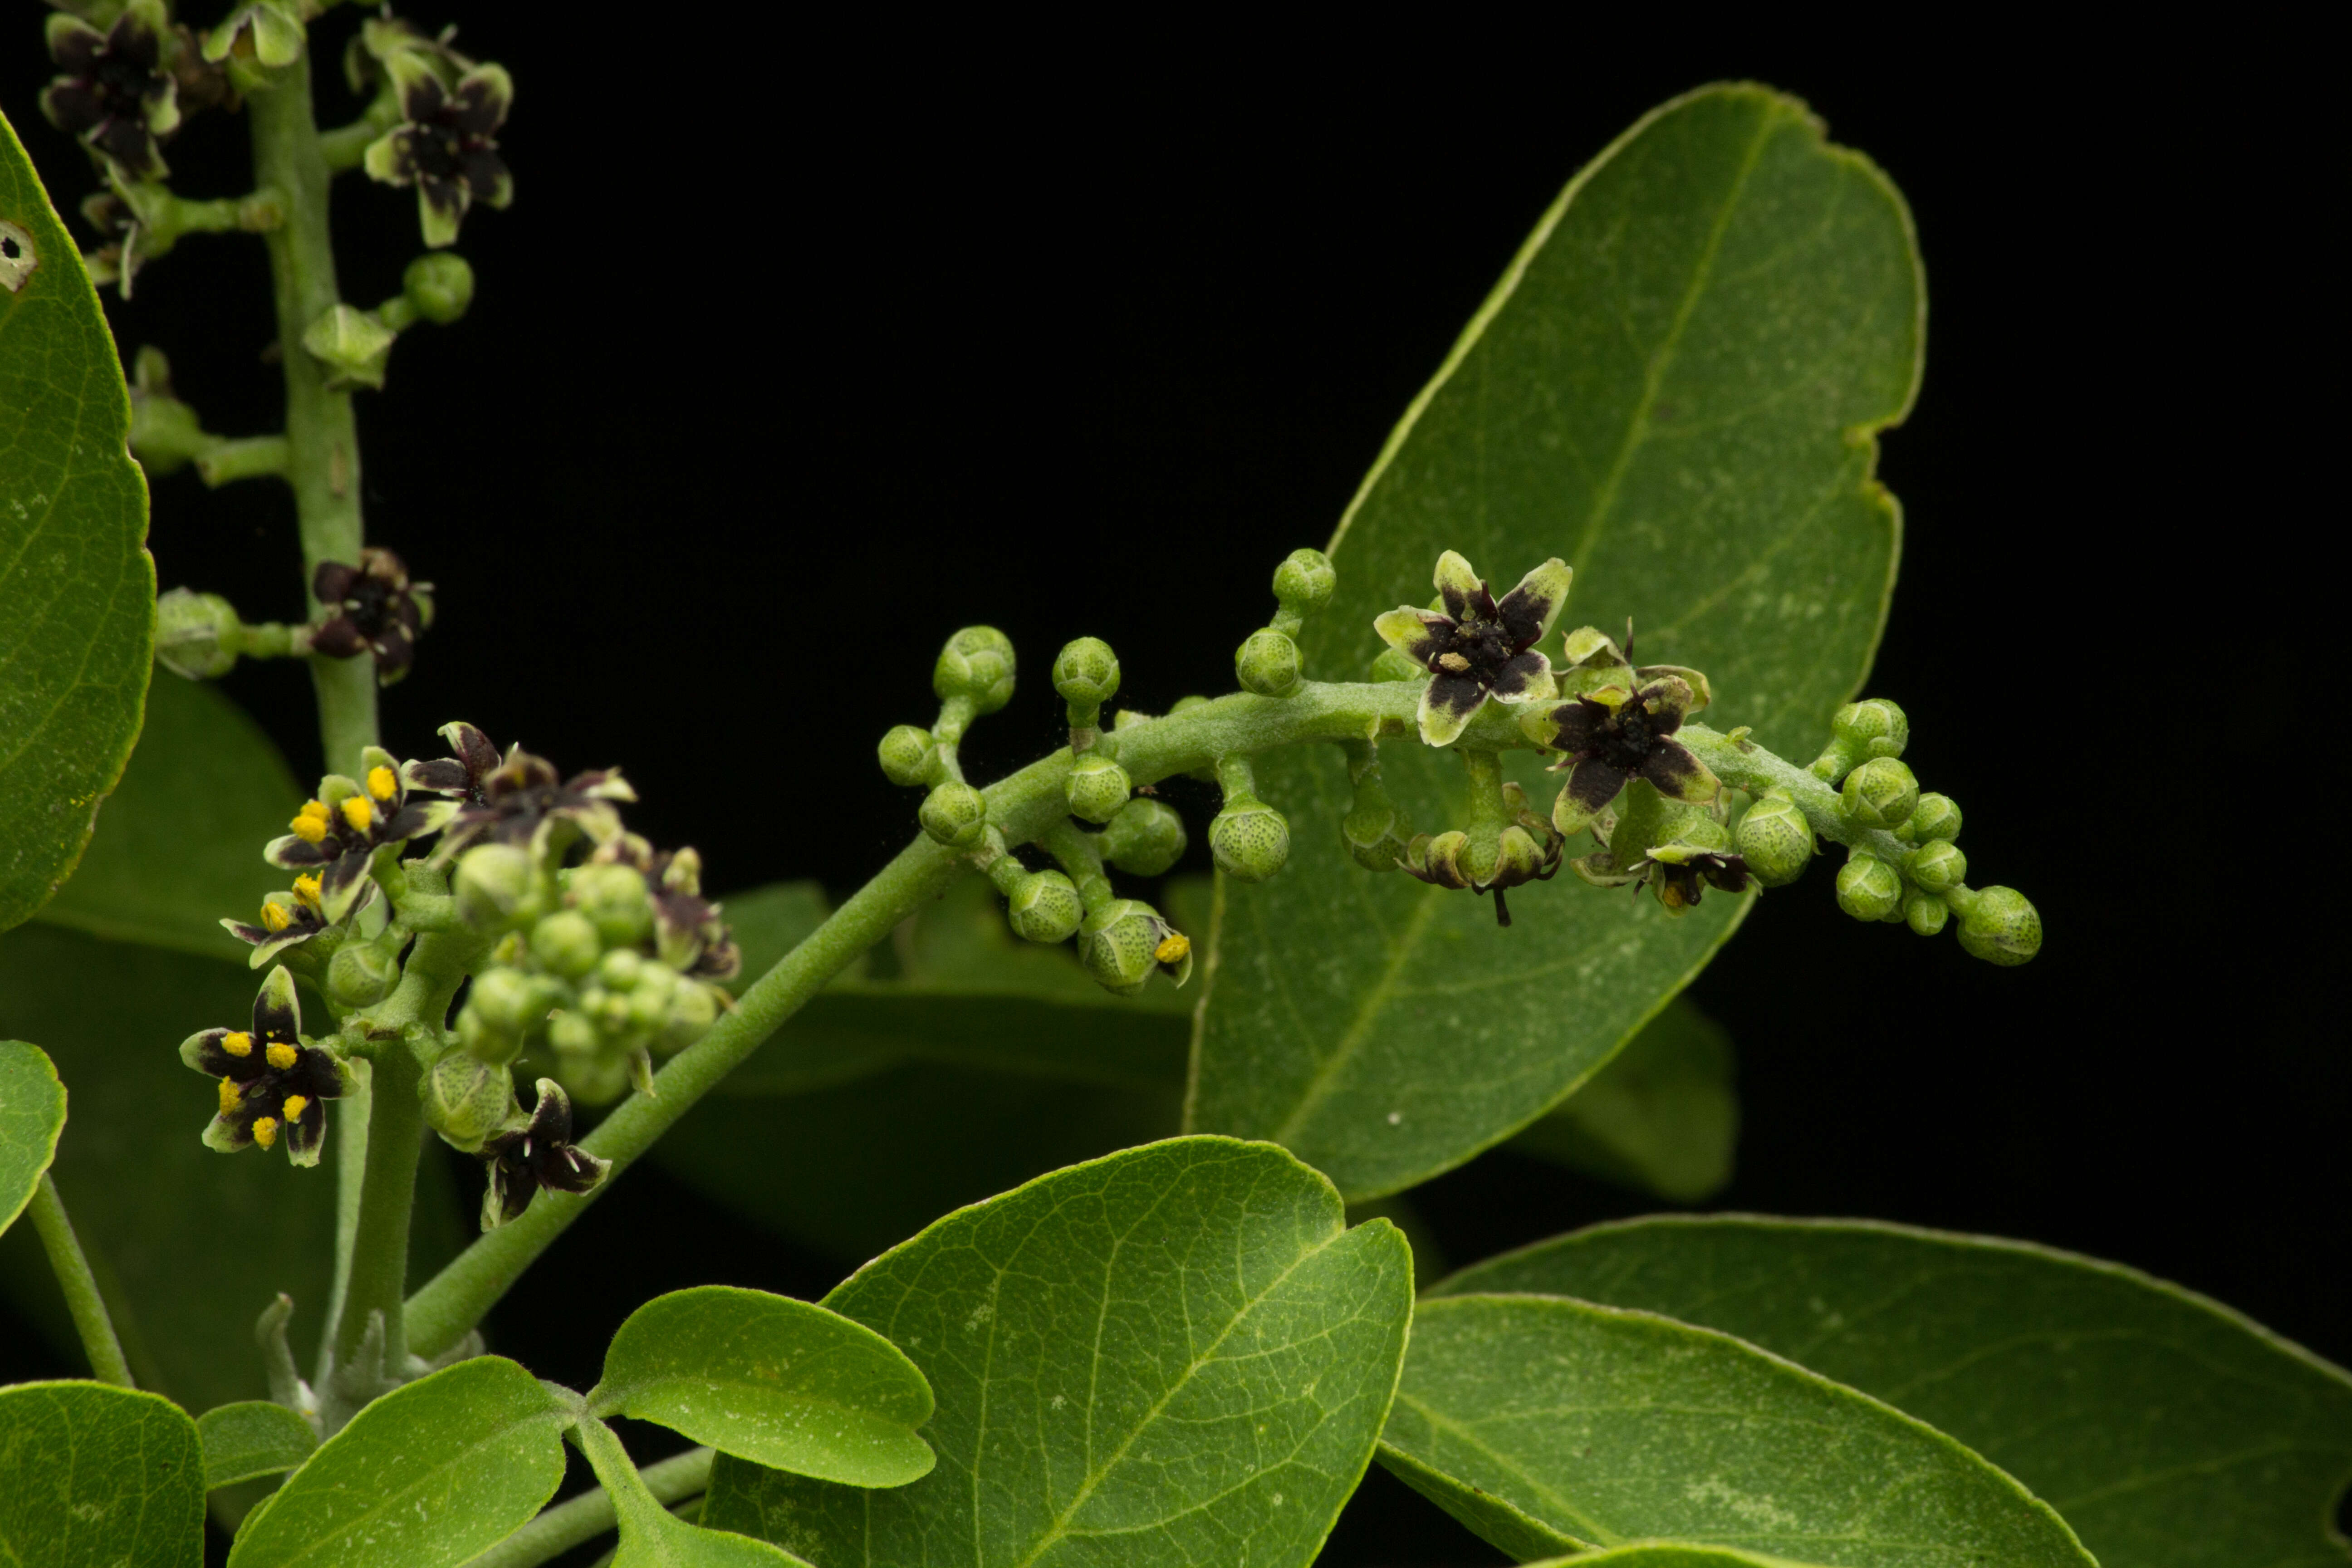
<point x="81" y="1287"/>
<point x="589" y="1515"/>
<point x="1746" y="765"/>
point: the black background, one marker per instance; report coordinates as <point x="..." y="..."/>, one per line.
<point x="794" y="353"/>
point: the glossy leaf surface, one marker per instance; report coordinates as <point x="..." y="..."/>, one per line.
<point x="252" y="1437"/>
<point x="32" y="1114"/>
<point x="2170" y="1431"/>
<point x="662" y="1539"/>
<point x="1662" y="1117"/>
<point x="1676" y="388"/>
<point x="77" y="588"/>
<point x="96" y="1477"/>
<point x="785" y="1383"/>
<point x="1670" y="1554"/>
<point x="1546" y="1425"/>
<point x="1152" y="1358"/>
<point x="431" y="1474"/>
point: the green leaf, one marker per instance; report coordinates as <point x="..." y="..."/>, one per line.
<point x="179" y="843"/>
<point x="662" y="1539"/>
<point x="431" y="1474"/>
<point x="1546" y="1425"/>
<point x="1149" y="1359"/>
<point x="1670" y="1554"/>
<point x="98" y="1477"/>
<point x="32" y="1114"/>
<point x="2170" y="1431"/>
<point x="787" y="1385"/>
<point x="1675" y="387"/>
<point x="1662" y="1117"/>
<point x="76" y="587"/>
<point x="252" y="1437"/>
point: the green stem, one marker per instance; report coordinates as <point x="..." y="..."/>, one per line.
<point x="1749" y="767"/>
<point x="81" y="1287"/>
<point x="244" y="457"/>
<point x="1073" y="849"/>
<point x="589" y="1515"/>
<point x="628" y="1492"/>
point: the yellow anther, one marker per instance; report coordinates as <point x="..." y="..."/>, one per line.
<point x="229" y="1095"/>
<point x="238" y="1042"/>
<point x="281" y="1056"/>
<point x="1454" y="662"/>
<point x="310" y="824"/>
<point x="317" y="808"/>
<point x="1172" y="948"/>
<point x="296" y="1104"/>
<point x="381" y="784"/>
<point x="306" y="888"/>
<point x="276" y="916"/>
<point x="358" y="813"/>
<point x="265" y="1131"/>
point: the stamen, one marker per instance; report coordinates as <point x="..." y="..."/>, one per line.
<point x="381" y="784"/>
<point x="281" y="1056"/>
<point x="238" y="1042"/>
<point x="296" y="1104"/>
<point x="265" y="1131"/>
<point x="229" y="1095"/>
<point x="306" y="888"/>
<point x="310" y="824"/>
<point x="1454" y="662"/>
<point x="276" y="917"/>
<point x="358" y="813"/>
<point x="1172" y="948"/>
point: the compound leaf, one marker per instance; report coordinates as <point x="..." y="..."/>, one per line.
<point x="96" y="1477"/>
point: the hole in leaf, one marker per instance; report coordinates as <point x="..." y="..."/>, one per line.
<point x="17" y="257"/>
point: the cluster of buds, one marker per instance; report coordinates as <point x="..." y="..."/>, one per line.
<point x="1267" y="662"/>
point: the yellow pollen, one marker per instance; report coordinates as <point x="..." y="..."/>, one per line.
<point x="276" y="916"/>
<point x="1454" y="662"/>
<point x="265" y="1131"/>
<point x="358" y="813"/>
<point x="281" y="1056"/>
<point x="306" y="888"/>
<point x="1172" y="948"/>
<point x="229" y="1095"/>
<point x="381" y="784"/>
<point x="296" y="1104"/>
<point x="310" y="824"/>
<point x="238" y="1042"/>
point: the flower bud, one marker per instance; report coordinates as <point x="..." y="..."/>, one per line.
<point x="353" y="346"/>
<point x="1873" y="727"/>
<point x="574" y="1034"/>
<point x="1374" y="834"/>
<point x="1145" y="838"/>
<point x="196" y="634"/>
<point x="954" y="815"/>
<point x="1249" y="839"/>
<point x="1393" y="666"/>
<point x="1999" y="926"/>
<point x="1045" y="906"/>
<point x="493" y="885"/>
<point x="1869" y="889"/>
<point x="512" y="1001"/>
<point x="1926" y="913"/>
<point x="1938" y="865"/>
<point x="1303" y="584"/>
<point x="362" y="974"/>
<point x="1097" y="788"/>
<point x="910" y="755"/>
<point x="1123" y="941"/>
<point x="566" y="943"/>
<point x="438" y="285"/>
<point x="619" y="969"/>
<point x="1518" y="857"/>
<point x="1267" y="664"/>
<point x="1085" y="673"/>
<point x="976" y="664"/>
<point x="466" y="1099"/>
<point x="484" y="1041"/>
<point x="616" y="903"/>
<point x="594" y="1080"/>
<point x="1936" y="816"/>
<point x="1880" y="793"/>
<point x="1439" y="859"/>
<point x="1774" y="839"/>
<point x="693" y="1008"/>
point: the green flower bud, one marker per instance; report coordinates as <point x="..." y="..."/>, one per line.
<point x="484" y="1041"/>
<point x="1880" y="793"/>
<point x="1267" y="664"/>
<point x="616" y="903"/>
<point x="1085" y="673"/>
<point x="693" y="1008"/>
<point x="196" y="634"/>
<point x="1439" y="859"/>
<point x="1097" y="788"/>
<point x="976" y="664"/>
<point x="353" y="346"/>
<point x="1304" y="581"/>
<point x="466" y="1099"/>
<point x="1926" y="913"/>
<point x="594" y="1080"/>
<point x="1938" y="865"/>
<point x="1936" y="816"/>
<point x="571" y="1033"/>
<point x="566" y="943"/>
<point x="1122" y="942"/>
<point x="494" y="885"/>
<point x="362" y="974"/>
<point x="1249" y="839"/>
<point x="1869" y="889"/>
<point x="1774" y="839"/>
<point x="619" y="969"/>
<point x="910" y="755"/>
<point x="1145" y="838"/>
<point x="1518" y="857"/>
<point x="1374" y="834"/>
<point x="1045" y="906"/>
<point x="1874" y="727"/>
<point x="510" y="1000"/>
<point x="438" y="285"/>
<point x="954" y="815"/>
<point x="1999" y="926"/>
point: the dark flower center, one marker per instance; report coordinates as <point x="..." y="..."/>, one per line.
<point x="1484" y="645"/>
<point x="1626" y="742"/>
<point x="121" y="84"/>
<point x="373" y="605"/>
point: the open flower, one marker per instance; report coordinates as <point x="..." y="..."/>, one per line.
<point x="271" y="1084"/>
<point x="538" y="1154"/>
<point x="116" y="96"/>
<point x="337" y="833"/>
<point x="1611" y="735"/>
<point x="446" y="144"/>
<point x="1700" y="852"/>
<point x="472" y="760"/>
<point x="519" y="799"/>
<point x="688" y="934"/>
<point x="288" y="919"/>
<point x="1479" y="647"/>
<point x="373" y="609"/>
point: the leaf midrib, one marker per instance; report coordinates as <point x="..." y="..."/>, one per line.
<point x="343" y="1532"/>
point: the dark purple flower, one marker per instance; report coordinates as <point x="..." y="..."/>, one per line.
<point x="372" y="608"/>
<point x="338" y="834"/>
<point x="541" y="1154"/>
<point x="270" y="1082"/>
<point x="515" y="800"/>
<point x="1478" y="647"/>
<point x="446" y="143"/>
<point x="1612" y="735"/>
<point x="115" y="97"/>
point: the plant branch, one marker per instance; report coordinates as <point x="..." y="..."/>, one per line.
<point x="592" y="1513"/>
<point x="1749" y="767"/>
<point x="81" y="1287"/>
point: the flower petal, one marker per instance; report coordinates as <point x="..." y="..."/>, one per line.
<point x="307" y="1134"/>
<point x="1593" y="784"/>
<point x="550" y="1118"/>
<point x="202" y="1051"/>
<point x="1447" y="706"/>
<point x="470" y="746"/>
<point x="73" y="107"/>
<point x="573" y="1171"/>
<point x="344" y="883"/>
<point x="441" y="775"/>
<point x="337" y="637"/>
<point x="1666" y="701"/>
<point x="1701" y="694"/>
<point x="1581" y="725"/>
<point x="1528" y="610"/>
<point x="1525" y="677"/>
<point x="1678" y="774"/>
<point x="277" y="1011"/>
<point x="1412" y="632"/>
<point x="1459" y="583"/>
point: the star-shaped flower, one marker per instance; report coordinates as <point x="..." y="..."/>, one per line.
<point x="116" y="97"/>
<point x="538" y="1154"/>
<point x="271" y="1084"/>
<point x="1478" y="648"/>
<point x="374" y="609"/>
<point x="472" y="760"/>
<point x="516" y="800"/>
<point x="337" y="834"/>
<point x="446" y="143"/>
<point x="288" y="919"/>
<point x="1698" y="851"/>
<point x="1611" y="735"/>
